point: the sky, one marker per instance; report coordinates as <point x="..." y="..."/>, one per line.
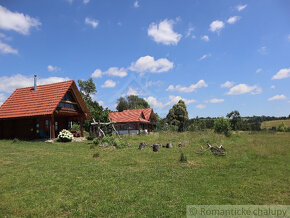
<point x="217" y="56"/>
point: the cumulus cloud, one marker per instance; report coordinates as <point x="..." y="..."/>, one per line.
<point x="277" y="97"/>
<point x="7" y="49"/>
<point x="132" y="91"/>
<point x="149" y="64"/>
<point x="153" y="83"/>
<point x="94" y="23"/>
<point x="216" y="26"/>
<point x="201" y="106"/>
<point x="136" y="4"/>
<point x="233" y="19"/>
<point x="204" y="57"/>
<point x="259" y="70"/>
<point x="227" y="84"/>
<point x="9" y="84"/>
<point x="215" y="100"/>
<point x="112" y="71"/>
<point x="191" y="88"/>
<point x="241" y="7"/>
<point x="109" y="84"/>
<point x="51" y="68"/>
<point x="153" y="102"/>
<point x="17" y="21"/>
<point x="205" y="38"/>
<point x="164" y="33"/>
<point x="174" y="99"/>
<point x="86" y="1"/>
<point x="282" y="74"/>
<point x="243" y="89"/>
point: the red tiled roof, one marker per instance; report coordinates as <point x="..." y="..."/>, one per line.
<point x="131" y="115"/>
<point x="25" y="102"/>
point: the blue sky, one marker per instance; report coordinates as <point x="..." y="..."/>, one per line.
<point x="218" y="56"/>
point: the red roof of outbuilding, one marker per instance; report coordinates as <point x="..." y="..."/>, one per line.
<point x="134" y="115"/>
<point x="25" y="102"/>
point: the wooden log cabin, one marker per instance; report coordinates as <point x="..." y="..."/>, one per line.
<point x="42" y="111"/>
<point x="133" y="121"/>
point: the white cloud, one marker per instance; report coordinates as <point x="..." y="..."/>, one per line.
<point x="215" y="100"/>
<point x="282" y="74"/>
<point x="205" y="38"/>
<point x="17" y="21"/>
<point x="263" y="50"/>
<point x="136" y="4"/>
<point x="164" y="33"/>
<point x="243" y="89"/>
<point x="189" y="31"/>
<point x="132" y="91"/>
<point x="241" y="7"/>
<point x="174" y="99"/>
<point x="9" y="84"/>
<point x="51" y="68"/>
<point x="273" y="87"/>
<point x="277" y="97"/>
<point x="148" y="64"/>
<point x="216" y="26"/>
<point x="227" y="84"/>
<point x="112" y="71"/>
<point x="233" y="19"/>
<point x="94" y="23"/>
<point x="153" y="102"/>
<point x="86" y="1"/>
<point x="109" y="84"/>
<point x="204" y="57"/>
<point x="7" y="49"/>
<point x="101" y="103"/>
<point x="259" y="70"/>
<point x="200" y="106"/>
<point x="191" y="88"/>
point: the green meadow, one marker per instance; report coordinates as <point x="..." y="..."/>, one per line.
<point x="64" y="179"/>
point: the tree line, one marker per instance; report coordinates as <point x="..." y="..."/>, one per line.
<point x="177" y="118"/>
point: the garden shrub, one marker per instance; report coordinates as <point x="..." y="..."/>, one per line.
<point x="75" y="127"/>
<point x="222" y="125"/>
<point x="110" y="141"/>
<point x="65" y="136"/>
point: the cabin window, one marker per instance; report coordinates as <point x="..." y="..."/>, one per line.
<point x="68" y="105"/>
<point x="56" y="126"/>
<point x="68" y="97"/>
<point x="123" y="127"/>
<point x="131" y="126"/>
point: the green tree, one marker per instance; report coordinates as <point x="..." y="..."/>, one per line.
<point x="87" y="89"/>
<point x="222" y="125"/>
<point x="122" y="104"/>
<point x="178" y="115"/>
<point x="235" y="119"/>
<point x="131" y="102"/>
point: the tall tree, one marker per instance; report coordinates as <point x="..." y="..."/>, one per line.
<point x="235" y="119"/>
<point x="178" y="115"/>
<point x="87" y="89"/>
<point x="131" y="102"/>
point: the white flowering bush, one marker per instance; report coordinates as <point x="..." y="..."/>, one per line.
<point x="65" y="136"/>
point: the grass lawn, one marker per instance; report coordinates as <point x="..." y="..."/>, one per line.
<point x="63" y="179"/>
<point x="274" y="123"/>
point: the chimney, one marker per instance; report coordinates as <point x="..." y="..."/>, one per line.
<point x="35" y="82"/>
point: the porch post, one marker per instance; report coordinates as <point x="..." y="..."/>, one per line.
<point x="138" y="128"/>
<point x="128" y="128"/>
<point x="82" y="127"/>
<point x="52" y="134"/>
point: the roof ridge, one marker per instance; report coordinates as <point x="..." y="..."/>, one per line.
<point x="45" y="84"/>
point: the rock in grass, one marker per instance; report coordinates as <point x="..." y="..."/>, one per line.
<point x="169" y="145"/>
<point x="179" y="145"/>
<point x="156" y="147"/>
<point x="142" y="145"/>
